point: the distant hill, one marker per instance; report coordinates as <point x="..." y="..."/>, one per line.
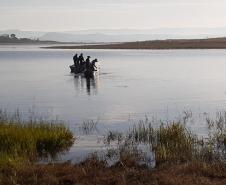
<point x="130" y="35"/>
<point x="95" y="37"/>
<point x="120" y="35"/>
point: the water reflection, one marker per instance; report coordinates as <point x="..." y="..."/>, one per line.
<point x="90" y="85"/>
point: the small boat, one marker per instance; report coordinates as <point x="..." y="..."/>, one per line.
<point x="73" y="69"/>
<point x="86" y="73"/>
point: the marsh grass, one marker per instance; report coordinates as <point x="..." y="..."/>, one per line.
<point x="31" y="140"/>
<point x="181" y="158"/>
<point x="173" y="143"/>
<point x="113" y="136"/>
<point x="170" y="143"/>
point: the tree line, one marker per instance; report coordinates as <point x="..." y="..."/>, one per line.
<point x="12" y="38"/>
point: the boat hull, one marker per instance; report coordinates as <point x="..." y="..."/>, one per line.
<point x="86" y="73"/>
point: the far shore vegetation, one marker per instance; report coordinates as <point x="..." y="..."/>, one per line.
<point x="208" y="43"/>
<point x="167" y="153"/>
<point x="13" y="39"/>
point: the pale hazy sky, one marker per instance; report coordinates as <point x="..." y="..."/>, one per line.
<point x="58" y="15"/>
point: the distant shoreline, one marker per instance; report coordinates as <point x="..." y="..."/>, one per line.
<point x="39" y="43"/>
<point x="211" y="43"/>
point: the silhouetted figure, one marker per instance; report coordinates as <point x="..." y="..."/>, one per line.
<point x="93" y="65"/>
<point x="88" y="63"/>
<point x="75" y="58"/>
<point x="81" y="62"/>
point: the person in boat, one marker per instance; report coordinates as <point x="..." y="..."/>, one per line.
<point x="93" y="65"/>
<point x="87" y="63"/>
<point x="81" y="62"/>
<point x="75" y="58"/>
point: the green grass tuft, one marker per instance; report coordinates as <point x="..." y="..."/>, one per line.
<point x="33" y="141"/>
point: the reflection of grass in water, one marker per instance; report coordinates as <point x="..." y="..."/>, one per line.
<point x="33" y="139"/>
<point x="88" y="127"/>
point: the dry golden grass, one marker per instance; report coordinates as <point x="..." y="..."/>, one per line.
<point x="95" y="172"/>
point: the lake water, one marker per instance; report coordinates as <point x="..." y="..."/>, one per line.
<point x="131" y="84"/>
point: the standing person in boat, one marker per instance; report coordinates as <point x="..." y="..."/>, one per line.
<point x="88" y="63"/>
<point x="93" y="66"/>
<point x="80" y="62"/>
<point x="75" y="58"/>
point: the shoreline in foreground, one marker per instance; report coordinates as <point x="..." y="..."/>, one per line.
<point x="211" y="43"/>
<point x="178" y="156"/>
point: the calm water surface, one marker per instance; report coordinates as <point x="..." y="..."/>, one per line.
<point x="130" y="85"/>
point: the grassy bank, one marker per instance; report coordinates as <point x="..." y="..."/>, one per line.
<point x="167" y="153"/>
<point x="95" y="172"/>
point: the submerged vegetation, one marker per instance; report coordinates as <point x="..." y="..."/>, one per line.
<point x="149" y="153"/>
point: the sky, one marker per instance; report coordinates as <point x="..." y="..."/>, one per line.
<point x="66" y="15"/>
